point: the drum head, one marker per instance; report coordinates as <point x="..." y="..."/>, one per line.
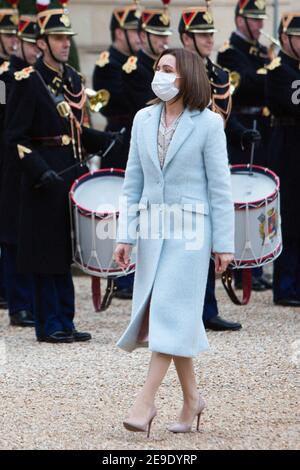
<point x="99" y="193"/>
<point x="250" y="188"/>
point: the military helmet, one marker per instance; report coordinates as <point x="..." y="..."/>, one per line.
<point x="197" y="20"/>
<point x="156" y="20"/>
<point x="290" y="24"/>
<point x="53" y="18"/>
<point x="9" y="16"/>
<point x="126" y="17"/>
<point x="27" y="27"/>
<point x="256" y="9"/>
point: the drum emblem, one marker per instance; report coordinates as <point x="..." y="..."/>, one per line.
<point x="272" y="226"/>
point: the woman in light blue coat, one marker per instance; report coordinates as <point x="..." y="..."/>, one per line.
<point x="177" y="207"/>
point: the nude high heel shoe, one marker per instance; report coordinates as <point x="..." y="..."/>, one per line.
<point x="140" y="427"/>
<point x="183" y="427"/>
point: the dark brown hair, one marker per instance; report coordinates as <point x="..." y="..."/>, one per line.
<point x="195" y="89"/>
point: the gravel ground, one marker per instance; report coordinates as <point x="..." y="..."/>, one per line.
<point x="75" y="396"/>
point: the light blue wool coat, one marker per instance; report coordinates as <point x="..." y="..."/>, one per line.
<point x="195" y="176"/>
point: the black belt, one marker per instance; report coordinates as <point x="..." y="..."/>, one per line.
<point x="53" y="141"/>
<point x="285" y="121"/>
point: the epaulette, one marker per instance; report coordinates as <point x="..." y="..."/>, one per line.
<point x="274" y="64"/>
<point x="83" y="78"/>
<point x="225" y="46"/>
<point x="4" y="67"/>
<point x="25" y="73"/>
<point x="131" y="64"/>
<point x="103" y="59"/>
<point x="74" y="70"/>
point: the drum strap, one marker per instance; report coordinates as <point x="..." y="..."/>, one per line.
<point x="109" y="293"/>
<point x="96" y="293"/>
<point x="99" y="304"/>
<point x="227" y="278"/>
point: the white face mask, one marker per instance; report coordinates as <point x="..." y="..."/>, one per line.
<point x="163" y="86"/>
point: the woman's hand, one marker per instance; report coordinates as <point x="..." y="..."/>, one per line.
<point x="222" y="260"/>
<point x="122" y="255"/>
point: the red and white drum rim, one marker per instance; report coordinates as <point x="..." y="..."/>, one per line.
<point x="87" y="176"/>
<point x="254" y="263"/>
<point x="260" y="202"/>
<point x="103" y="270"/>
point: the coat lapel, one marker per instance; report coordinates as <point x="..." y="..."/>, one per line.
<point x="184" y="129"/>
<point x="151" y="124"/>
<point x="150" y="129"/>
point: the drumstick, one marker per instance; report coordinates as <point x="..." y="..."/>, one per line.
<point x="252" y="150"/>
<point x="99" y="154"/>
<point x="83" y="162"/>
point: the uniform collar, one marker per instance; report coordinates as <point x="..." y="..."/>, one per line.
<point x="291" y="61"/>
<point x="48" y="72"/>
<point x="17" y="63"/>
<point x="54" y="78"/>
<point x="53" y="70"/>
<point x="241" y="35"/>
<point x="146" y="60"/>
<point x="118" y="55"/>
<point x="243" y="44"/>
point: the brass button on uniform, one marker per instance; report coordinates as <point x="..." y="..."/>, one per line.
<point x="66" y="140"/>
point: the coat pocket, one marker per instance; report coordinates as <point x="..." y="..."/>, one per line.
<point x="194" y="205"/>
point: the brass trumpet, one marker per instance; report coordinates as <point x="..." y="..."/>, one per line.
<point x="97" y="99"/>
<point x="235" y="80"/>
<point x="275" y="45"/>
<point x="274" y="41"/>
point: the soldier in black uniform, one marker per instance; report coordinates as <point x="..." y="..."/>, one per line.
<point x="19" y="287"/>
<point x="283" y="98"/>
<point x="247" y="59"/>
<point x="196" y="29"/>
<point x="8" y="43"/>
<point x="44" y="124"/>
<point x="138" y="72"/>
<point x="8" y="30"/>
<point x="108" y="76"/>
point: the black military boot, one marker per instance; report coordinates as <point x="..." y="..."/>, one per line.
<point x="22" y="318"/>
<point x="57" y="337"/>
<point x="3" y="304"/>
<point x="219" y="324"/>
